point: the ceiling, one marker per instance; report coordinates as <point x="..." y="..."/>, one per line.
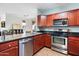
<point x="36" y="5"/>
<point x="23" y="9"/>
<point x="48" y="5"/>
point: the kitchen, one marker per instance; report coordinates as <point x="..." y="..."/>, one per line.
<point x="39" y="29"/>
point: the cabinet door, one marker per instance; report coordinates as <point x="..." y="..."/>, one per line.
<point x="72" y="19"/>
<point x="63" y="15"/>
<point x="36" y="44"/>
<point x="41" y="20"/>
<point x="77" y="17"/>
<point x="73" y="45"/>
<point x="38" y="20"/>
<point x="56" y="16"/>
<point x="4" y="54"/>
<point x="48" y="40"/>
<point x="49" y="21"/>
<point x="13" y="51"/>
<point x="4" y="46"/>
<point x="41" y="41"/>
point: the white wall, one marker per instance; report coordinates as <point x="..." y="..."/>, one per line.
<point x="15" y="13"/>
<point x="19" y="10"/>
<point x="12" y="19"/>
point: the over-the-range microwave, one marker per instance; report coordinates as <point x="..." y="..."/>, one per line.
<point x="60" y="22"/>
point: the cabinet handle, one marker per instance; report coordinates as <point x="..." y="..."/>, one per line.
<point x="9" y="45"/>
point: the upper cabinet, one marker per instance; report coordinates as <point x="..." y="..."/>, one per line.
<point x="61" y="15"/>
<point x="73" y="18"/>
<point x="45" y="21"/>
<point x="49" y="21"/>
<point x="77" y="17"/>
<point x="56" y="16"/>
<point x="41" y="21"/>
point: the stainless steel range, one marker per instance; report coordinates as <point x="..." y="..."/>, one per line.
<point x="59" y="41"/>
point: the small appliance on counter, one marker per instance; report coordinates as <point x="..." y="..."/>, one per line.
<point x="17" y="31"/>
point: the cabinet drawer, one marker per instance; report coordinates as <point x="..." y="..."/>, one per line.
<point x="7" y="45"/>
<point x="4" y="54"/>
<point x="13" y="51"/>
<point x="73" y="38"/>
<point x="73" y="45"/>
<point x="73" y="49"/>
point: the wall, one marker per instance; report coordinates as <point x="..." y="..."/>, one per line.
<point x="72" y="29"/>
<point x="12" y="19"/>
<point x="15" y="13"/>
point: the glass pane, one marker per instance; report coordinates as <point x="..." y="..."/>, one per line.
<point x="59" y="40"/>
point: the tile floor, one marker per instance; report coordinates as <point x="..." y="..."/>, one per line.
<point x="48" y="52"/>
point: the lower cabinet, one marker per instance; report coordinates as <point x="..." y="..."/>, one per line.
<point x="12" y="48"/>
<point x="13" y="51"/>
<point x="48" y="40"/>
<point x="73" y="46"/>
<point x="9" y="49"/>
<point x="40" y="41"/>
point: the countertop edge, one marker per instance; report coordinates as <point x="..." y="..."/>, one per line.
<point x="21" y="38"/>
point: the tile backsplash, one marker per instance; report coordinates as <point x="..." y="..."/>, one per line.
<point x="72" y="28"/>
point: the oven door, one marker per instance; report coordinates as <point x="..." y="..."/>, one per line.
<point x="59" y="42"/>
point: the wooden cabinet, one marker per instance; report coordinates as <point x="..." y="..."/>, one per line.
<point x="41" y="21"/>
<point x="72" y="19"/>
<point x="9" y="48"/>
<point x="61" y="15"/>
<point x="45" y="21"/>
<point x="50" y="18"/>
<point x="13" y="51"/>
<point x="77" y="17"/>
<point x="73" y="46"/>
<point x="48" y="40"/>
<point x="38" y="43"/>
<point x="56" y="16"/>
<point x="8" y="45"/>
<point x="38" y="20"/>
<point x="35" y="44"/>
<point x="49" y="21"/>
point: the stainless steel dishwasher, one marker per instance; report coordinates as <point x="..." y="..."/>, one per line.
<point x="26" y="47"/>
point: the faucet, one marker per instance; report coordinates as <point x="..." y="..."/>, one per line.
<point x="3" y="35"/>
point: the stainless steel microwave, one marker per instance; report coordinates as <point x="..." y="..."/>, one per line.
<point x="60" y="22"/>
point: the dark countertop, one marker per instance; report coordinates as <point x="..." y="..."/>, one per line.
<point x="17" y="37"/>
<point x="76" y="34"/>
<point x="22" y="36"/>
